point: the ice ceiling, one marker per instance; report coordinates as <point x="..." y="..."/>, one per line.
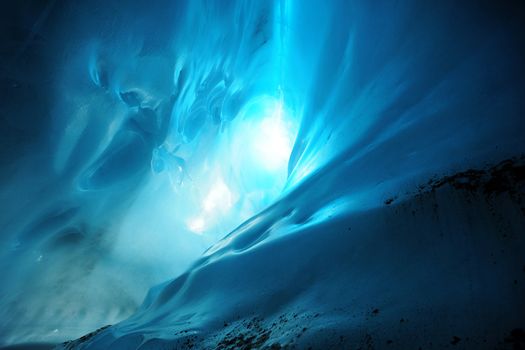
<point x="136" y="135"/>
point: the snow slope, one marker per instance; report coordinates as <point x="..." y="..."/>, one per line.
<point x="442" y="266"/>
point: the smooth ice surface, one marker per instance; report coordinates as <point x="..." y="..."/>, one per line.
<point x="135" y="136"/>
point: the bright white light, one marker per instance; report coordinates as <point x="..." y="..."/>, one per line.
<point x="219" y="197"/>
<point x="217" y="202"/>
<point x="273" y="140"/>
<point x="243" y="170"/>
<point x="196" y="225"/>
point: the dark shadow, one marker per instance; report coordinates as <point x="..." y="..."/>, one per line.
<point x="29" y="346"/>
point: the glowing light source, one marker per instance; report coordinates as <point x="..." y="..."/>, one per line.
<point x="273" y="142"/>
<point x="264" y="137"/>
<point x="217" y="202"/>
<point x="196" y="225"/>
<point x="244" y="171"/>
<point x="219" y="197"/>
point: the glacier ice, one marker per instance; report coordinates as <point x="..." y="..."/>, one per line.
<point x="263" y="167"/>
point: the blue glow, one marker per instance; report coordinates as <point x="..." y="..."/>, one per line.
<point x="146" y="139"/>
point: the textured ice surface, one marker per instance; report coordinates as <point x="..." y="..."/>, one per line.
<point x="135" y="136"/>
<point x="435" y="268"/>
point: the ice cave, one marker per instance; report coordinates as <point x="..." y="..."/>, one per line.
<point x="262" y="174"/>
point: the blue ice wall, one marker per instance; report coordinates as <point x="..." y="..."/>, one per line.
<point x="136" y="135"/>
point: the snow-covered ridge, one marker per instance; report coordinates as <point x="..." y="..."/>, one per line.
<point x="427" y="270"/>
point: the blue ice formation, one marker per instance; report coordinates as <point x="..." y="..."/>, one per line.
<point x="243" y="151"/>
